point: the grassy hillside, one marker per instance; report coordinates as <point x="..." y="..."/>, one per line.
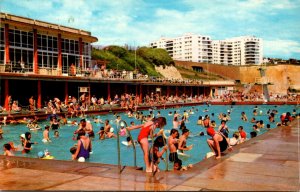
<point x="144" y="59"/>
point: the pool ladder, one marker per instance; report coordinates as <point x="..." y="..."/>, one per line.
<point x="123" y="123"/>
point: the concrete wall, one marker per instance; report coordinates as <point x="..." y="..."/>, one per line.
<point x="281" y="76"/>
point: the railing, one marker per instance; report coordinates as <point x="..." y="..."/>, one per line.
<point x="106" y="75"/>
<point x="227" y="82"/>
<point x="11" y="68"/>
<point x="263" y="80"/>
<point x="49" y="71"/>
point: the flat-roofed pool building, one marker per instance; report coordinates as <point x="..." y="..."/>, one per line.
<point x="38" y="46"/>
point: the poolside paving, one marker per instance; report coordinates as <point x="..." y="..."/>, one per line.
<point x="269" y="162"/>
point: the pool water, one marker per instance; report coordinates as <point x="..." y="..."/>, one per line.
<point x="105" y="151"/>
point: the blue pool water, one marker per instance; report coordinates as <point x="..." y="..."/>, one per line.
<point x="105" y="151"/>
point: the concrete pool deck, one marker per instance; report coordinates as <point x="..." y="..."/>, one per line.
<point x="269" y="162"/>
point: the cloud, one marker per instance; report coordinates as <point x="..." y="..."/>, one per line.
<point x="285" y="48"/>
<point x="140" y="22"/>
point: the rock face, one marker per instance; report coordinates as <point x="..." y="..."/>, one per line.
<point x="169" y="72"/>
<point x="281" y="77"/>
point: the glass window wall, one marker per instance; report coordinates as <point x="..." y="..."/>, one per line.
<point x="2" y="36"/>
<point x="2" y="45"/>
<point x="21" y="50"/>
<point x="47" y="59"/>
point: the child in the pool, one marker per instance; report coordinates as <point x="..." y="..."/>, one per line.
<point x="72" y="151"/>
<point x="7" y="150"/>
<point x="122" y="131"/>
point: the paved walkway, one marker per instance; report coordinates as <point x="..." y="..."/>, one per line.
<point x="268" y="162"/>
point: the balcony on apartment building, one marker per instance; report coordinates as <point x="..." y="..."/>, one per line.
<point x="169" y="44"/>
<point x="252" y="61"/>
<point x="252" y="45"/>
<point x="251" y="54"/>
<point x="251" y="42"/>
<point x="206" y="42"/>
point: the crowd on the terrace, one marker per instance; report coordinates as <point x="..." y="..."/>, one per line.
<point x="78" y="106"/>
<point x="101" y="72"/>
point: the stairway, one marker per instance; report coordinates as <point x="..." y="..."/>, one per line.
<point x="169" y="72"/>
<point x="247" y="88"/>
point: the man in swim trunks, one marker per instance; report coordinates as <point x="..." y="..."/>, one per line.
<point x="182" y="141"/>
<point x="173" y="145"/>
<point x="46" y="134"/>
<point x="87" y="127"/>
<point x="107" y="131"/>
<point x="148" y="129"/>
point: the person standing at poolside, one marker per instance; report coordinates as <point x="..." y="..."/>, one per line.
<point x="147" y="130"/>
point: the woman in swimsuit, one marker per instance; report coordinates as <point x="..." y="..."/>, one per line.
<point x="147" y="129"/>
<point x="84" y="145"/>
<point x="218" y="143"/>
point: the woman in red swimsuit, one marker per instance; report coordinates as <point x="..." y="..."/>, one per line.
<point x="146" y="130"/>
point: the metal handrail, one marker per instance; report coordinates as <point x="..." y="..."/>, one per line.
<point x="124" y="124"/>
<point x="119" y="148"/>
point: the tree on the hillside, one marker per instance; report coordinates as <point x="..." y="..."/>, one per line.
<point x="120" y="58"/>
<point x="117" y="51"/>
<point x="155" y="56"/>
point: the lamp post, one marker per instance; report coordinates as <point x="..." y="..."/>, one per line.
<point x="114" y="44"/>
<point x="134" y="56"/>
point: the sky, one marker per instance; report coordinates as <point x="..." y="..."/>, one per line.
<point x="139" y="22"/>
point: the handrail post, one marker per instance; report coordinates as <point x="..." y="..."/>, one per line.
<point x="118" y="147"/>
<point x="133" y="143"/>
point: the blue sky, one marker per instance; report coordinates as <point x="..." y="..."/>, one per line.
<point x="138" y="22"/>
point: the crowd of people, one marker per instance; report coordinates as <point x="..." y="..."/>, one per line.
<point x="74" y="106"/>
<point x="151" y="127"/>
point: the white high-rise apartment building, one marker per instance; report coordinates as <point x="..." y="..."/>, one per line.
<point x="189" y="47"/>
<point x="245" y="50"/>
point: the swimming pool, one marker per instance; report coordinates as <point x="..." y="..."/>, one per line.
<point x="105" y="151"/>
